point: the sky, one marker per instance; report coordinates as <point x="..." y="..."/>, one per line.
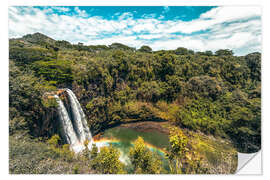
<point x="199" y="28"/>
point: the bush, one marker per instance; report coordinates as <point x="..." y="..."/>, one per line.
<point x="107" y="161"/>
<point x="205" y="86"/>
<point x="25" y="101"/>
<point x="143" y="160"/>
<point x="146" y="49"/>
<point x="54" y="70"/>
<point x="183" y="159"/>
<point x="24" y="56"/>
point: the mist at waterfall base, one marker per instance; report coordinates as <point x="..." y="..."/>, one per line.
<point x="75" y="131"/>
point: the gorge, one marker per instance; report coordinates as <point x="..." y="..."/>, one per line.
<point x="75" y="131"/>
<point x="112" y="95"/>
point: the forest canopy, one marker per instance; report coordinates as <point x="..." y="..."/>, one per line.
<point x="216" y="93"/>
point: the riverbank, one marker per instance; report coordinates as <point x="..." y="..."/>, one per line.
<point x="143" y="126"/>
<point x="148" y="126"/>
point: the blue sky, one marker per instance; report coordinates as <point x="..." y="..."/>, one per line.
<point x="199" y="28"/>
<point x="185" y="13"/>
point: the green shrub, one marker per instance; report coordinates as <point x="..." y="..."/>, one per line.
<point x="143" y="160"/>
<point x="107" y="161"/>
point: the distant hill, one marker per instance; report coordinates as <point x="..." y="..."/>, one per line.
<point x="37" y="38"/>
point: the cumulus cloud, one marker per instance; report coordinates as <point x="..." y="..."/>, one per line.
<point x="61" y="9"/>
<point x="151" y="36"/>
<point x="126" y="15"/>
<point x="127" y="40"/>
<point x="234" y="27"/>
<point x="81" y="13"/>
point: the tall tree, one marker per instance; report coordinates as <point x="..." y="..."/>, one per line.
<point x="143" y="160"/>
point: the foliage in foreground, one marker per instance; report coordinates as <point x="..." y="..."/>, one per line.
<point x="143" y="160"/>
<point x="106" y="161"/>
<point x="32" y="156"/>
<point x="183" y="159"/>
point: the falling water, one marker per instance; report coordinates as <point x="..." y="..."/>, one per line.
<point x="74" y="127"/>
<point x="80" y="122"/>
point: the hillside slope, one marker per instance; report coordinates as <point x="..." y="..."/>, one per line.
<point x="217" y="94"/>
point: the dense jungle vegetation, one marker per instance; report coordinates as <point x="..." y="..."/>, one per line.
<point x="215" y="93"/>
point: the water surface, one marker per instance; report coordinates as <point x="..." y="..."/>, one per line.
<point x="123" y="139"/>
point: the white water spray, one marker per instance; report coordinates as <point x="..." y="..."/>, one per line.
<point x="80" y="122"/>
<point x="74" y="128"/>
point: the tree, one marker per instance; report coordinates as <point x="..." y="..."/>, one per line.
<point x="235" y="73"/>
<point x="54" y="141"/>
<point x="245" y="129"/>
<point x="24" y="56"/>
<point x="121" y="46"/>
<point x="181" y="158"/>
<point x="143" y="160"/>
<point x="254" y="63"/>
<point x="181" y="51"/>
<point x="61" y="151"/>
<point x="190" y="52"/>
<point x="178" y="151"/>
<point x="173" y="86"/>
<point x="107" y="161"/>
<point x="58" y="71"/>
<point x="150" y="91"/>
<point x="94" y="151"/>
<point x="208" y="53"/>
<point x="166" y="65"/>
<point x="63" y="44"/>
<point x="146" y="49"/>
<point x="26" y="110"/>
<point x="224" y="52"/>
<point x="205" y="86"/>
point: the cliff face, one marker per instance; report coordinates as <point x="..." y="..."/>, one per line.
<point x="50" y="121"/>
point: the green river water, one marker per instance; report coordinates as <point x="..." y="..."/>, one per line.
<point x="123" y="137"/>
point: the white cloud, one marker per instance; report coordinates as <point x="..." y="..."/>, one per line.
<point x="81" y="13"/>
<point x="226" y="13"/>
<point x="181" y="41"/>
<point x="126" y="15"/>
<point x="151" y="36"/>
<point x="148" y="16"/>
<point x="237" y="28"/>
<point x="127" y="40"/>
<point x="61" y="9"/>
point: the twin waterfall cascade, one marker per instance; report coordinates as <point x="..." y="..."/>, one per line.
<point x="74" y="128"/>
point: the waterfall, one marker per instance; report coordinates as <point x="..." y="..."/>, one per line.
<point x="74" y="128"/>
<point x="80" y="122"/>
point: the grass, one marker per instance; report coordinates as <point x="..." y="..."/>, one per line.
<point x="30" y="156"/>
<point x="220" y="154"/>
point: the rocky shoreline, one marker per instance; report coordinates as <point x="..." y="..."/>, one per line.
<point x="148" y="126"/>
